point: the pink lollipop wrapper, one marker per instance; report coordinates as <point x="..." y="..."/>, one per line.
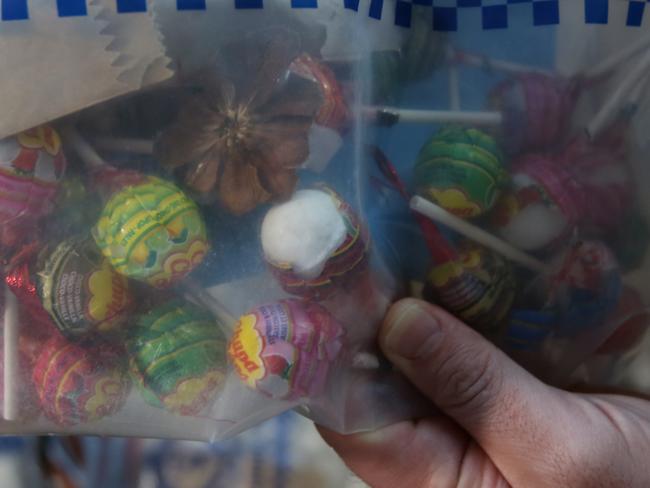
<point x="285" y="350"/>
<point x="537" y="110"/>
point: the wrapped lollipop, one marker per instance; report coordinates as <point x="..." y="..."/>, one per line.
<point x="333" y="116"/>
<point x="571" y="310"/>
<point x="461" y="170"/>
<point x="79" y="384"/>
<point x="585" y="185"/>
<point x="315" y="243"/>
<point x="31" y="167"/>
<point x="286" y="349"/>
<point x="72" y="286"/>
<point x="151" y="231"/>
<point x="536" y="110"/>
<point x="178" y="357"/>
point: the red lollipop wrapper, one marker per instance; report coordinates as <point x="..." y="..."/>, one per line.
<point x="78" y="384"/>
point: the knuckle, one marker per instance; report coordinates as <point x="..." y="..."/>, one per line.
<point x="468" y="389"/>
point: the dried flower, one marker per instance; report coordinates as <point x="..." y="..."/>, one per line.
<point x="246" y="130"/>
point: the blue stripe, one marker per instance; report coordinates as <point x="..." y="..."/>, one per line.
<point x="190" y="4"/>
<point x="131" y="6"/>
<point x="71" y="8"/>
<point x="14" y="10"/>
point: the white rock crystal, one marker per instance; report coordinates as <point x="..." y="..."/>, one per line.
<point x="303" y="232"/>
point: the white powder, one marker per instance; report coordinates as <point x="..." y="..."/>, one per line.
<point x="303" y="232"/>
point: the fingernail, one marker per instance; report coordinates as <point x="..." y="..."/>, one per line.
<point x="412" y="331"/>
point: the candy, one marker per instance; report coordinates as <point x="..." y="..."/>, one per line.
<point x="31" y="166"/>
<point x="584" y="186"/>
<point x="286" y="349"/>
<point x="314" y="243"/>
<point x="542" y="207"/>
<point x="587" y="287"/>
<point x="151" y="231"/>
<point x="461" y="170"/>
<point x="332" y="117"/>
<point x="537" y="110"/>
<point x="77" y="384"/>
<point x="178" y="357"/>
<point x="333" y="111"/>
<point x="479" y="287"/>
<point x="81" y="291"/>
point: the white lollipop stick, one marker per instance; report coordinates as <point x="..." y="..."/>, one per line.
<point x="614" y="102"/>
<point x="392" y="115"/>
<point x="454" y="83"/>
<point x="487" y="63"/>
<point x="612" y="62"/>
<point x="440" y="215"/>
<point x="85" y="151"/>
<point x="124" y="144"/>
<point x="11" y="356"/>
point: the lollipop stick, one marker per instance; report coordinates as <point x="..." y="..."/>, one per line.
<point x="612" y="62"/>
<point x="85" y="151"/>
<point x="614" y="102"/>
<point x="124" y="144"/>
<point x="487" y="63"/>
<point x="440" y="215"/>
<point x="389" y="116"/>
<point x="11" y="361"/>
<point x="454" y="84"/>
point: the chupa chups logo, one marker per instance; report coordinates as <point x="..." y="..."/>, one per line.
<point x="446" y="14"/>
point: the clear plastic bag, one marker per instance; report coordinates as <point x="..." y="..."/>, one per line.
<point x="218" y="239"/>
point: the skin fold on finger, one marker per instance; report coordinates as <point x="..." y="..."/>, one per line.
<point x="432" y="452"/>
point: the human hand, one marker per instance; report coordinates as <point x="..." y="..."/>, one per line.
<point x="501" y="426"/>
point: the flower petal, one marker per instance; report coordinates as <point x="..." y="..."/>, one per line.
<point x="298" y="97"/>
<point x="280" y="184"/>
<point x="186" y="140"/>
<point x="280" y="145"/>
<point x="203" y="175"/>
<point x="239" y="187"/>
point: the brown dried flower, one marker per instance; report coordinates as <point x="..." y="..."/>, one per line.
<point x="246" y="130"/>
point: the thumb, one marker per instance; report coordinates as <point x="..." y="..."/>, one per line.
<point x="496" y="401"/>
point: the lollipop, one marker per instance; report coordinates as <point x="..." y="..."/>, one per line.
<point x="78" y="384"/>
<point x="585" y="185"/>
<point x="479" y="287"/>
<point x="80" y="290"/>
<point x="31" y="167"/>
<point x="151" y="231"/>
<point x="177" y="357"/>
<point x="543" y="206"/>
<point x="461" y="170"/>
<point x="578" y="298"/>
<point x="332" y="118"/>
<point x="314" y="243"/>
<point x="285" y="350"/>
<point x="537" y="109"/>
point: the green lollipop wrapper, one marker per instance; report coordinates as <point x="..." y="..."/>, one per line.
<point x="461" y="170"/>
<point x="151" y="231"/>
<point x="178" y="357"/>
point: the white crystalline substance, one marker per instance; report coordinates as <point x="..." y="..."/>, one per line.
<point x="303" y="232"/>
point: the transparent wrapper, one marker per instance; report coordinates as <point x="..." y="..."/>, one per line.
<point x="212" y="231"/>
